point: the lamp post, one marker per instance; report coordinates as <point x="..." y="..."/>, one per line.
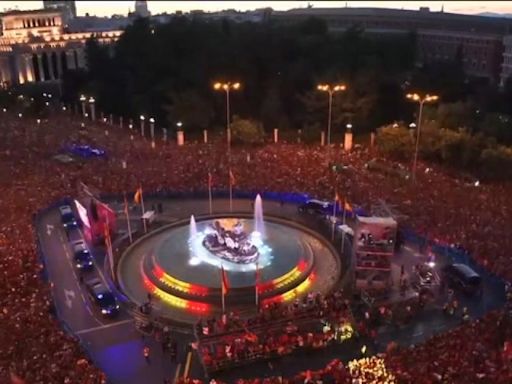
<point x="330" y="89"/>
<point x="152" y="127"/>
<point x="180" y="136"/>
<point x="420" y="100"/>
<point x="93" y="108"/>
<point x="142" y="118"/>
<point x="82" y="101"/>
<point x="227" y="87"/>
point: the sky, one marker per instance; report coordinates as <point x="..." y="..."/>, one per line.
<point x="107" y="8"/>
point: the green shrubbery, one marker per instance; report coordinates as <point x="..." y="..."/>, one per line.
<point x="453" y="148"/>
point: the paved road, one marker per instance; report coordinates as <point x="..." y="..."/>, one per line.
<point x="116" y="347"/>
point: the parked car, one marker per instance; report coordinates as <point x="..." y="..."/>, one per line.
<point x="461" y="276"/>
<point x="82" y="256"/>
<point x="102" y="297"/>
<point x="314" y="207"/>
<point x="67" y="217"/>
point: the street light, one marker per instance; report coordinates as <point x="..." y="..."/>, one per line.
<point x="179" y="124"/>
<point x="420" y="100"/>
<point x="93" y="108"/>
<point x="82" y="100"/>
<point x="227" y="87"/>
<point x="330" y="89"/>
<point x="152" y="127"/>
<point x="142" y="118"/>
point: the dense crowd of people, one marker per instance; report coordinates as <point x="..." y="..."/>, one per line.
<point x="279" y="329"/>
<point x="34" y="347"/>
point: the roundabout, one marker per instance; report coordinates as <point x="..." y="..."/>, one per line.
<point x="184" y="265"/>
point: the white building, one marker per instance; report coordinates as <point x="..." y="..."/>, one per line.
<point x="35" y="47"/>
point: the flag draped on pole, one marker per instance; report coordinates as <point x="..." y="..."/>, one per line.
<point x="127" y="218"/>
<point x="210" y="184"/>
<point x="225" y="286"/>
<point x="139" y="199"/>
<point x="347" y="207"/>
<point x="231" y="183"/>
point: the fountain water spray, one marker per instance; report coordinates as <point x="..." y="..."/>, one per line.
<point x="259" y="226"/>
<point x="193" y="228"/>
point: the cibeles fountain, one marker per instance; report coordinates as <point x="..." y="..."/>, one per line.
<point x="232" y="244"/>
<point x="265" y="259"/>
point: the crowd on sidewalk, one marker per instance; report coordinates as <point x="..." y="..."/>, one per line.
<point x="448" y="209"/>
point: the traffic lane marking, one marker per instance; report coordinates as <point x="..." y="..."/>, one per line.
<point x="101" y="327"/>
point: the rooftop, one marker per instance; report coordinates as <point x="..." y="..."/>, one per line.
<point x="31" y="12"/>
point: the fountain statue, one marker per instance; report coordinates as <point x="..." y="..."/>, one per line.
<point x="231" y="244"/>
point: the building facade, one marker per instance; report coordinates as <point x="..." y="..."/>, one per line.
<point x="35" y="48"/>
<point x="506" y="68"/>
<point x="440" y="35"/>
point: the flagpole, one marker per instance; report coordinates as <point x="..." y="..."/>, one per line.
<point x="127" y="218"/>
<point x="334" y="215"/>
<point x="256" y="293"/>
<point x="230" y="192"/>
<point x="222" y="289"/>
<point x="343" y="232"/>
<point x="210" y="192"/>
<point x="108" y="242"/>
<point x="143" y="210"/>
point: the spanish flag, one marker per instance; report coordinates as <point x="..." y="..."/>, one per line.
<point x="210" y="180"/>
<point x="224" y="281"/>
<point x="231" y="178"/>
<point x="137" y="198"/>
<point x="347" y="206"/>
<point x="337" y="200"/>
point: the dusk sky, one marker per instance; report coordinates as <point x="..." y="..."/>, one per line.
<point x="107" y="8"/>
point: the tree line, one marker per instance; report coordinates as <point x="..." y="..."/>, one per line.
<point x="167" y="71"/>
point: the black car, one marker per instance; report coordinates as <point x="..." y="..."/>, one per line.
<point x="82" y="256"/>
<point x="102" y="297"/>
<point x="67" y="217"/>
<point x="462" y="277"/>
<point x="314" y="207"/>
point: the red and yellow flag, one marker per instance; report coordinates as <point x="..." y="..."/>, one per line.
<point x="137" y="198"/>
<point x="347" y="206"/>
<point x="210" y="180"/>
<point x="224" y="281"/>
<point x="232" y="179"/>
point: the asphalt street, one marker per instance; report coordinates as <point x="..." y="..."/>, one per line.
<point x="115" y="346"/>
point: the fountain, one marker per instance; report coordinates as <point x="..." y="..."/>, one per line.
<point x="193" y="228"/>
<point x="259" y="226"/>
